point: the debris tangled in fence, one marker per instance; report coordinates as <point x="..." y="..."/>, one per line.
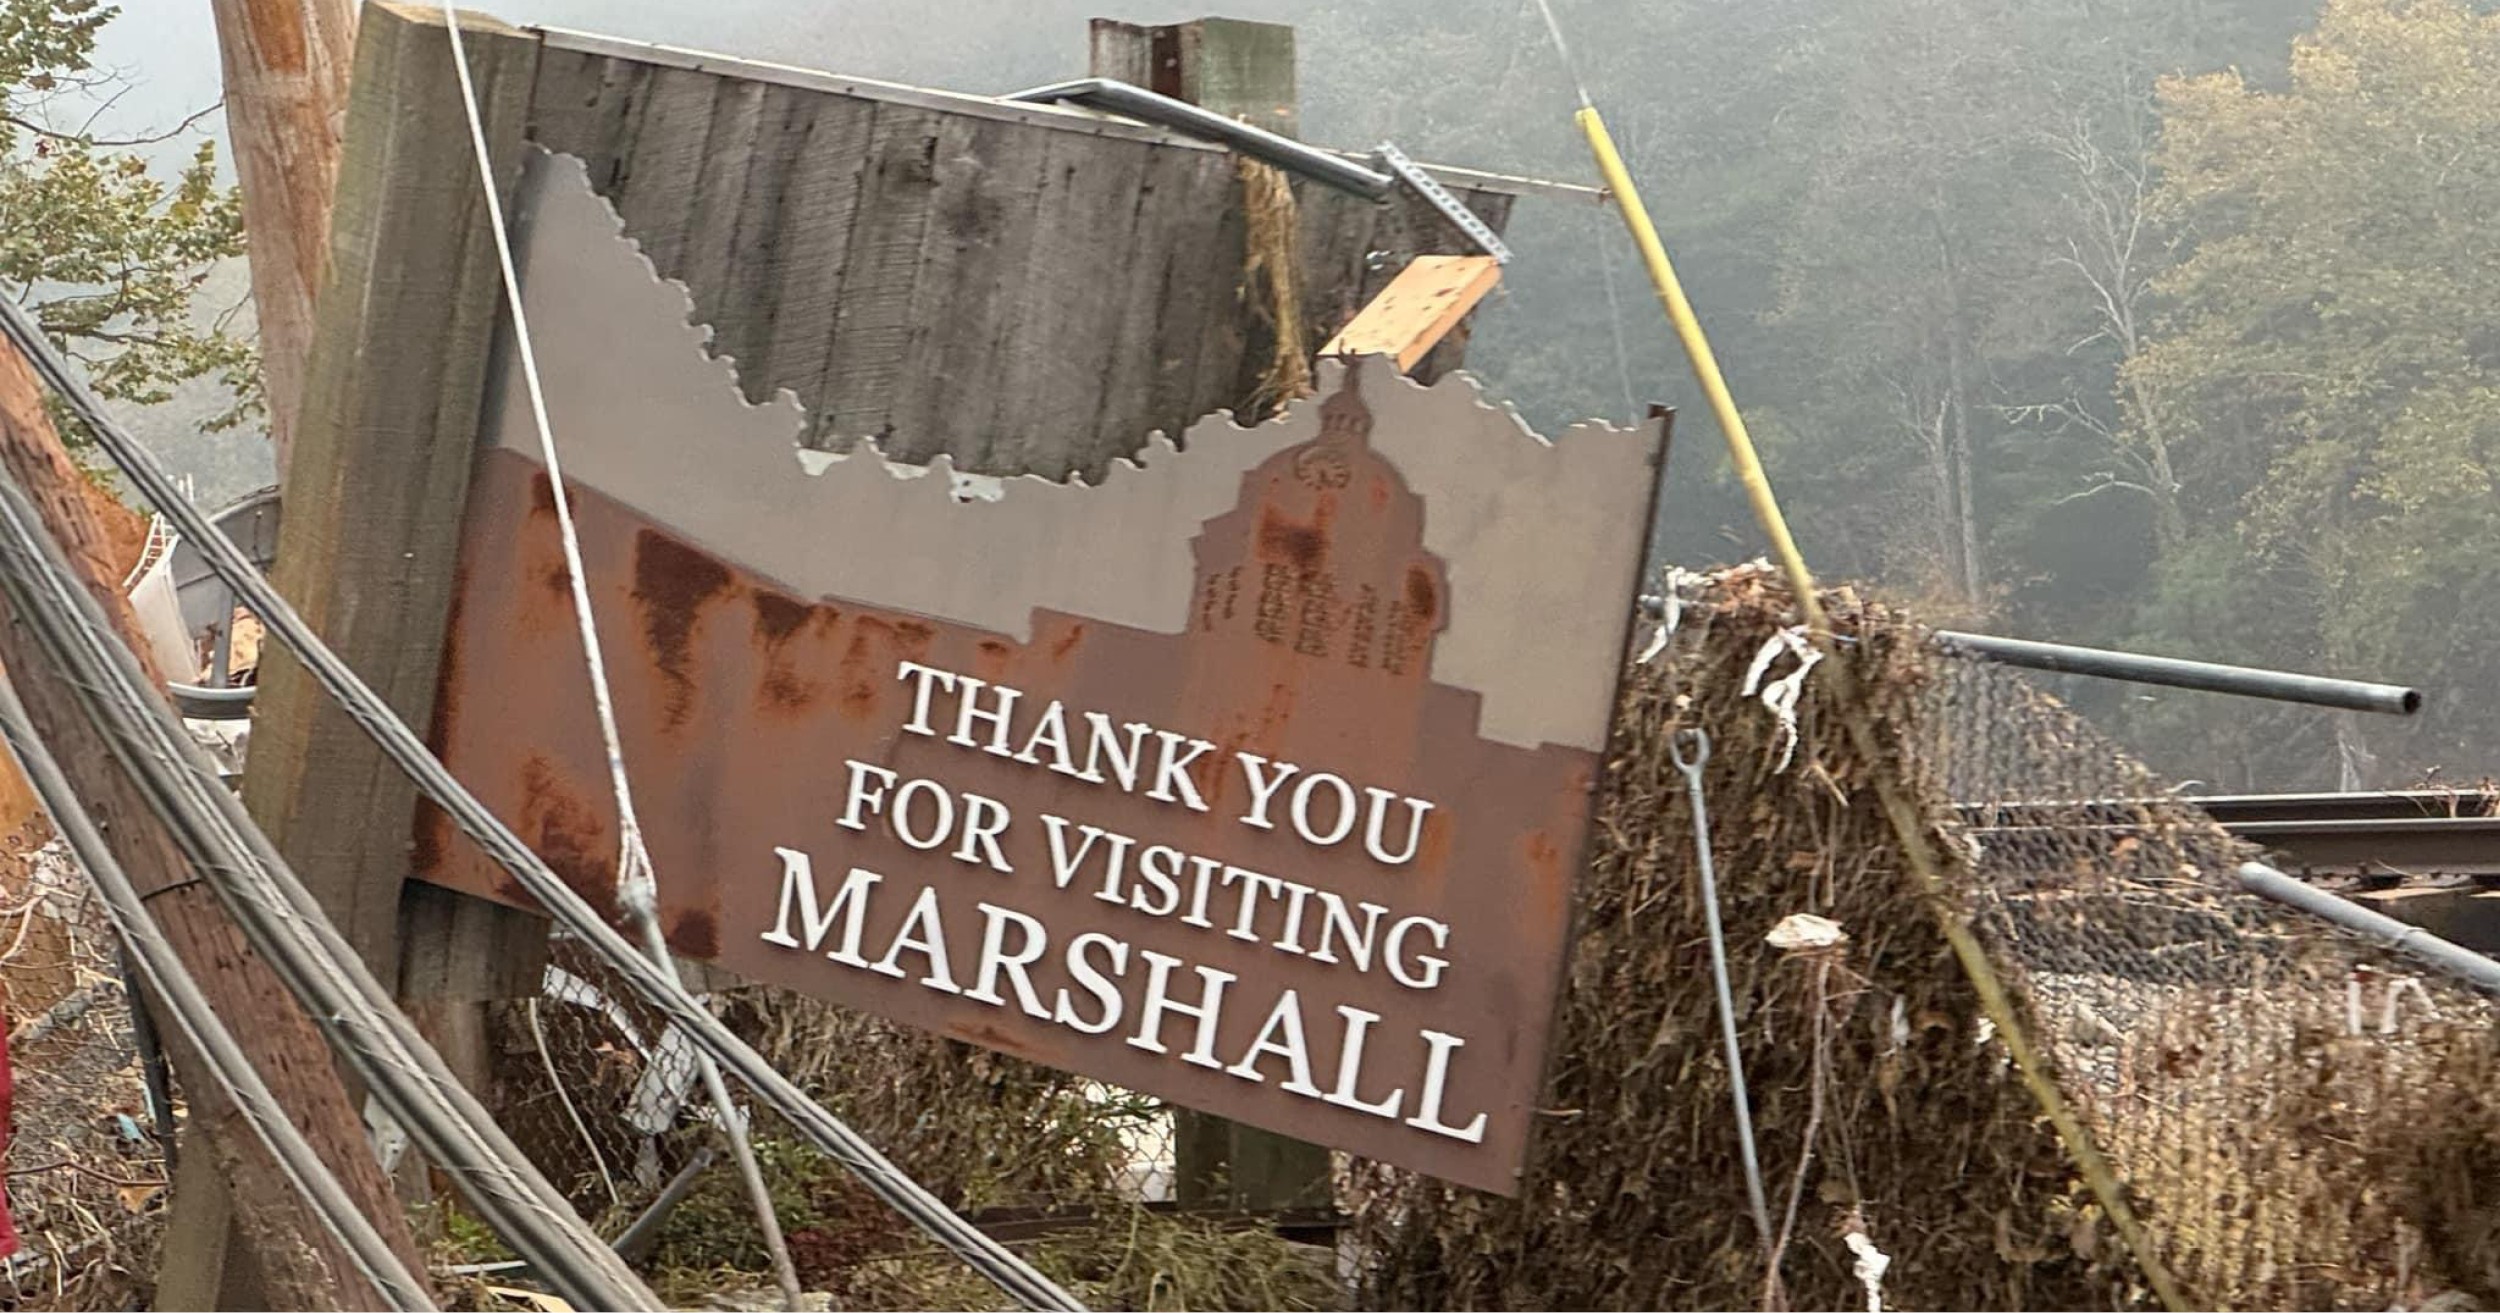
<point x="2303" y="1121"/>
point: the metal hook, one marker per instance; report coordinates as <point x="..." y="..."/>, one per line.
<point x="1692" y="762"/>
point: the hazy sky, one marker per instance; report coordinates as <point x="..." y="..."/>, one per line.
<point x="167" y="48"/>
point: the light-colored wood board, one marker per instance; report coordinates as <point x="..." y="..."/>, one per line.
<point x="1418" y="308"/>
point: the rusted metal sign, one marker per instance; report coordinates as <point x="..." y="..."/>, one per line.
<point x="1255" y="778"/>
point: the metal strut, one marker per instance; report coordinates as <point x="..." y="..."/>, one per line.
<point x="1451" y="208"/>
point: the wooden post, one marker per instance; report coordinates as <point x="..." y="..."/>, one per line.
<point x="299" y="1265"/>
<point x="285" y="65"/>
<point x="384" y="442"/>
<point x="1237" y="68"/>
<point x="1244" y="70"/>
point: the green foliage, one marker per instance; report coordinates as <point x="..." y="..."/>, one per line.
<point x="2327" y="357"/>
<point x="111" y="256"/>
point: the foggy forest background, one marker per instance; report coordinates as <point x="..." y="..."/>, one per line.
<point x="2159" y="324"/>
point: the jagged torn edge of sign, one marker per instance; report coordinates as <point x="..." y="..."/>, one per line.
<point x="1540" y="540"/>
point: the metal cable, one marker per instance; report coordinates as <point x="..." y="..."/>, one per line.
<point x="1015" y="1277"/>
<point x="196" y="1018"/>
<point x="283" y="924"/>
<point x="637" y="884"/>
<point x="1690" y="760"/>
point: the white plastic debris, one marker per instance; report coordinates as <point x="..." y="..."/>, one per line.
<point x="1780" y="695"/>
<point x="1805" y="930"/>
<point x="1870" y="1267"/>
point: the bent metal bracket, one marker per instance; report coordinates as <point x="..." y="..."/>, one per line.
<point x="1255" y="778"/>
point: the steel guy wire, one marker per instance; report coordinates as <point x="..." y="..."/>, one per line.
<point x="1017" y="1278"/>
<point x="283" y="924"/>
<point x="637" y="885"/>
<point x="1691" y="750"/>
<point x="197" y="1020"/>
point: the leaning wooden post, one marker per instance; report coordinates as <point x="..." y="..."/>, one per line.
<point x="378" y="478"/>
<point x="298" y="1265"/>
<point x="1243" y="70"/>
<point x="285" y="67"/>
<point x="384" y="442"/>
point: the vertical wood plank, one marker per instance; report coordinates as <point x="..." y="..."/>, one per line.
<point x="975" y="253"/>
<point x="1241" y="70"/>
<point x="811" y="255"/>
<point x="1120" y="51"/>
<point x="1202" y="282"/>
<point x="720" y="190"/>
<point x="663" y="162"/>
<point x="757" y="269"/>
<point x="1059" y="332"/>
<point x="1126" y="404"/>
<point x="384" y="440"/>
<point x="873" y="315"/>
<point x="586" y="105"/>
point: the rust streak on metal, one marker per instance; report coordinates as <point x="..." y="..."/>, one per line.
<point x="673" y="582"/>
<point x="1308" y="637"/>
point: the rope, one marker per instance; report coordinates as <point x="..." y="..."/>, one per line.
<point x="637" y="889"/>
<point x="196" y="1018"/>
<point x="1909" y="829"/>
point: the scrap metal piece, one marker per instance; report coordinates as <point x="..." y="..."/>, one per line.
<point x="1179" y="115"/>
<point x="1451" y="208"/>
<point x="1363" y="588"/>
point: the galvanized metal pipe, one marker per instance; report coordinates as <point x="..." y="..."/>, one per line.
<point x="2455" y="960"/>
<point x="2246" y="681"/>
<point x="1132" y="101"/>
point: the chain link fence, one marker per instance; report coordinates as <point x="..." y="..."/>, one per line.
<point x="86" y="1169"/>
<point x="2301" y="1120"/>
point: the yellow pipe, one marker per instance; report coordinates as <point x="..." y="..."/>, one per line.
<point x="1908" y="825"/>
<point x="1766" y="508"/>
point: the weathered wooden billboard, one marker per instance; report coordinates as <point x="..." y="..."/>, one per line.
<point x="1254" y="776"/>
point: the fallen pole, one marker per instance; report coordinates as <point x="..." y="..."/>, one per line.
<point x="2455" y="960"/>
<point x="2173" y="672"/>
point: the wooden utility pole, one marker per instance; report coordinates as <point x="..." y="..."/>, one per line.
<point x="299" y="1265"/>
<point x="1241" y="70"/>
<point x="286" y="66"/>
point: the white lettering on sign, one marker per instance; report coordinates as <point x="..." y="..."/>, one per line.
<point x="1151" y="1000"/>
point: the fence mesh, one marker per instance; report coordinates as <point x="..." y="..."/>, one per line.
<point x="2302" y="1121"/>
<point x="86" y="1172"/>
